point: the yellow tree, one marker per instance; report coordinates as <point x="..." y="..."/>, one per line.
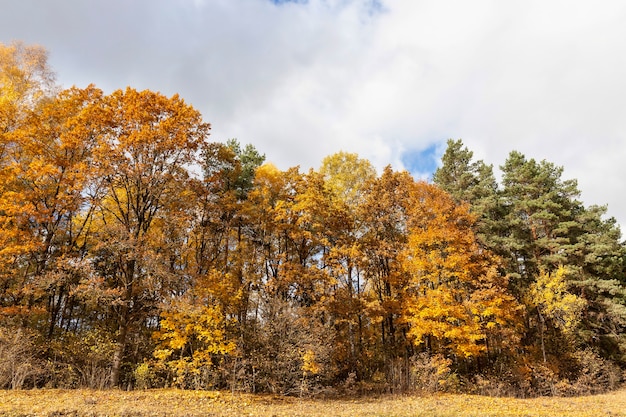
<point x="556" y="307"/>
<point x="346" y="177"/>
<point x="285" y="216"/>
<point x="273" y="193"/>
<point x="384" y="216"/>
<point x="456" y="301"/>
<point x="193" y="330"/>
<point x="200" y="325"/>
<point x="145" y="144"/>
<point x="288" y="214"/>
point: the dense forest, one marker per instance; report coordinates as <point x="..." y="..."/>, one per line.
<point x="136" y="253"/>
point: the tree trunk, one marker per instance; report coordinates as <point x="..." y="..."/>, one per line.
<point x="541" y="329"/>
<point x="120" y="346"/>
<point x="124" y="324"/>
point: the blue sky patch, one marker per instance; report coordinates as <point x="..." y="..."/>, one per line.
<point x="375" y="6"/>
<point x="422" y="163"/>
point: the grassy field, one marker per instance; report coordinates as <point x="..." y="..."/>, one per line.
<point x="161" y="403"/>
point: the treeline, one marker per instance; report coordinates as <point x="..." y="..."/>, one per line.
<point x="136" y="253"/>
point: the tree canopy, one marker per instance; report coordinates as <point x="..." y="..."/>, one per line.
<point x="134" y="252"/>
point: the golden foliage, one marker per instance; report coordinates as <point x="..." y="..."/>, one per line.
<point x="550" y="295"/>
<point x="309" y="364"/>
<point x="455" y="294"/>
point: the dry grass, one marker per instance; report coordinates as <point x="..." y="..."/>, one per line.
<point x="161" y="403"/>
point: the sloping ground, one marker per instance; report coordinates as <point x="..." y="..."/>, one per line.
<point x="174" y="403"/>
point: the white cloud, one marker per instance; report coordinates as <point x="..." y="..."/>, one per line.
<point x="304" y="80"/>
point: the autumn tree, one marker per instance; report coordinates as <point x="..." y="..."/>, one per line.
<point x="384" y="237"/>
<point x="346" y="177"/>
<point x="45" y="173"/>
<point x="284" y="225"/>
<point x="550" y="295"/>
<point x="204" y="322"/>
<point x="217" y="236"/>
<point x="54" y="172"/>
<point x="25" y="80"/>
<point x="456" y="300"/>
<point x="193" y="331"/>
<point x="145" y="142"/>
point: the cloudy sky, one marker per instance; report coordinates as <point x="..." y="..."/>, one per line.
<point x="391" y="80"/>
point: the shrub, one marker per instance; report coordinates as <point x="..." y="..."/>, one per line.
<point x="82" y="360"/>
<point x="431" y="374"/>
<point x="20" y="365"/>
<point x="144" y="375"/>
<point x="596" y="374"/>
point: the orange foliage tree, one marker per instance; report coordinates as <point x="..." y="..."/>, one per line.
<point x="145" y="142"/>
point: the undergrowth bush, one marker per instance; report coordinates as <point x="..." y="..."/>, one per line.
<point x="596" y="374"/>
<point x="432" y="374"/>
<point x="20" y="365"/>
<point x="588" y="374"/>
<point x="81" y="360"/>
